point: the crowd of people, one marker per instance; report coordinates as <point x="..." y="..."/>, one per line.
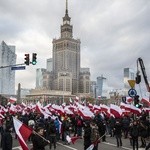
<point x="47" y="131"/>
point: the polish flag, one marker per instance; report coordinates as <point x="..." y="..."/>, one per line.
<point x="72" y="139"/>
<point x="129" y="99"/>
<point x="105" y="109"/>
<point x="146" y="110"/>
<point x="135" y="110"/>
<point x="115" y="110"/>
<point x="146" y="101"/>
<point x="23" y="132"/>
<point x="124" y="106"/>
<point x="12" y="100"/>
<point x="85" y="113"/>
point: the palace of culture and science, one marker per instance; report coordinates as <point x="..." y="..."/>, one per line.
<point x="65" y="73"/>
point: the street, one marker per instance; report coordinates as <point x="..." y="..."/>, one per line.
<point x="110" y="144"/>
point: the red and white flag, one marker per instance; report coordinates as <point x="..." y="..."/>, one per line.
<point x="72" y="139"/>
<point x="85" y="113"/>
<point x="129" y="99"/>
<point x="115" y="110"/>
<point x="12" y="100"/>
<point x="146" y="101"/>
<point x="23" y="132"/>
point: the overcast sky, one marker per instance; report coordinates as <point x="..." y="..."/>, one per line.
<point x="113" y="34"/>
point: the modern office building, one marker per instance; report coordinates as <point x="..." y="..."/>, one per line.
<point x="7" y="76"/>
<point x="101" y="87"/>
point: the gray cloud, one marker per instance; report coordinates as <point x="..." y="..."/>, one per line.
<point x="113" y="33"/>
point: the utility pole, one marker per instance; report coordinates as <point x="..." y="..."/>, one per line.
<point x="19" y="94"/>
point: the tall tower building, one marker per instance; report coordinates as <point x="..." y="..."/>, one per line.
<point x="66" y="58"/>
<point x="101" y="86"/>
<point x="7" y="76"/>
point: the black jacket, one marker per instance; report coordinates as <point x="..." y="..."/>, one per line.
<point x="38" y="143"/>
<point x="7" y="141"/>
<point x="87" y="135"/>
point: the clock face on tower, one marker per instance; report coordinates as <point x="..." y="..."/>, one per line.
<point x="66" y="22"/>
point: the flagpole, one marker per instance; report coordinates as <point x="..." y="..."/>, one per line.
<point x="41" y="136"/>
<point x="89" y="148"/>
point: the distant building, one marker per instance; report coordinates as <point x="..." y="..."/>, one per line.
<point x="7" y="76"/>
<point x="66" y="58"/>
<point x="24" y="92"/>
<point x="63" y="71"/>
<point x="93" y="89"/>
<point x="39" y="77"/>
<point x="49" y="64"/>
<point x="128" y="75"/>
<point x="84" y="82"/>
<point x="101" y="88"/>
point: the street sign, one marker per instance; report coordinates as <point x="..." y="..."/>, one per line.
<point x="131" y="83"/>
<point x="132" y="93"/>
<point x="18" y="68"/>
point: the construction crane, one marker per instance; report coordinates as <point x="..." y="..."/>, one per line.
<point x="138" y="76"/>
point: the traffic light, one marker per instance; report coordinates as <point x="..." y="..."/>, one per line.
<point x="27" y="59"/>
<point x="137" y="102"/>
<point x="34" y="58"/>
<point x="138" y="79"/>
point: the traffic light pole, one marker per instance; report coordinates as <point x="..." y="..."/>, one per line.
<point x="1" y="67"/>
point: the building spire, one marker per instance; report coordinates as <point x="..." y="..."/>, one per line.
<point x="66" y="7"/>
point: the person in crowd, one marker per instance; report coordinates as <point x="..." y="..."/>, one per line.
<point x="31" y="124"/>
<point x="57" y="125"/>
<point x="118" y="133"/>
<point x="125" y="126"/>
<point x="39" y="142"/>
<point x="111" y="122"/>
<point x="1" y="130"/>
<point x="52" y="134"/>
<point x="143" y="132"/>
<point x="134" y="134"/>
<point x="79" y="126"/>
<point x="87" y="135"/>
<point x="65" y="129"/>
<point x="95" y="137"/>
<point x="102" y="129"/>
<point x="7" y="140"/>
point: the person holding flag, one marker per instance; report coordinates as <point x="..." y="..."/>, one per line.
<point x="87" y="135"/>
<point x="24" y="132"/>
<point x="39" y="142"/>
<point x="94" y="135"/>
